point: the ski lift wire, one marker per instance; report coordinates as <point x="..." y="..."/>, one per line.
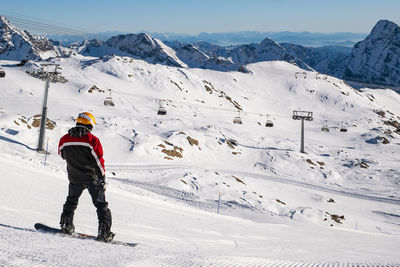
<point x="36" y="24"/>
<point x="44" y="21"/>
<point x="44" y="26"/>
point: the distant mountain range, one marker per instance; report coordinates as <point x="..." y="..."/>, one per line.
<point x="309" y="39"/>
<point x="374" y="60"/>
<point x="245" y="37"/>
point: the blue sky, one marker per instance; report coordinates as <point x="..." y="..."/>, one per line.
<point x="195" y="16"/>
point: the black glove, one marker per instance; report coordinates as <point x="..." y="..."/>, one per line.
<point x="102" y="182"/>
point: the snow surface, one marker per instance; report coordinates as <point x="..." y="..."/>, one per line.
<point x="277" y="205"/>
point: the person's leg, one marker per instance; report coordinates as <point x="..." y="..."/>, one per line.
<point x="97" y="191"/>
<point x="67" y="216"/>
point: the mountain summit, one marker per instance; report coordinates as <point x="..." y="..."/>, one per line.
<point x="377" y="58"/>
<point x="140" y="46"/>
<point x="16" y="44"/>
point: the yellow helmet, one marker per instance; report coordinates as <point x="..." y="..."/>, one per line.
<point x="86" y="118"/>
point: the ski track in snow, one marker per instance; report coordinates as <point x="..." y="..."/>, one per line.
<point x="188" y="197"/>
<point x="321" y="188"/>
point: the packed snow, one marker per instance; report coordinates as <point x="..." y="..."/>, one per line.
<point x="191" y="187"/>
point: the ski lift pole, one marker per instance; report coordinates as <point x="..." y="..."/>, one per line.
<point x="44" y="116"/>
<point x="49" y="76"/>
<point x="219" y="201"/>
<point x="47" y="149"/>
<point x="302" y="136"/>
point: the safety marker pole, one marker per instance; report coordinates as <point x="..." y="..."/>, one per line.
<point x="47" y="149"/>
<point x="219" y="201"/>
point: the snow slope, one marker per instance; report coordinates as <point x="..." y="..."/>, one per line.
<point x="279" y="207"/>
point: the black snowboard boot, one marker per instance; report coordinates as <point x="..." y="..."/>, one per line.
<point x="105" y="234"/>
<point x="67" y="227"/>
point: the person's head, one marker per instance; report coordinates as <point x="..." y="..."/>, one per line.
<point x="86" y="119"/>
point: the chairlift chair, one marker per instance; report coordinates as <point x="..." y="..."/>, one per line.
<point x="161" y="111"/>
<point x="108" y="101"/>
<point x="269" y="123"/>
<point x="343" y="128"/>
<point x="325" y="127"/>
<point x="237" y="120"/>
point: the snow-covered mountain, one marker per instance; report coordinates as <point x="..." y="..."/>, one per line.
<point x="139" y="46"/>
<point x="196" y="58"/>
<point x="196" y="55"/>
<point x="209" y="56"/>
<point x="328" y="59"/>
<point x="16" y="44"/>
<point x="376" y="59"/>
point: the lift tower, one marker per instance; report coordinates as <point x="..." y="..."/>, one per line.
<point x="302" y="115"/>
<point x="50" y="76"/>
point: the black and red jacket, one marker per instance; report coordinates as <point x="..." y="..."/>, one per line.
<point x="84" y="155"/>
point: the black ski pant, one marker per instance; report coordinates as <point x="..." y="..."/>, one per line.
<point x="97" y="192"/>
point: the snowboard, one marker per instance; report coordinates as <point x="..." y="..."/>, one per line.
<point x="51" y="230"/>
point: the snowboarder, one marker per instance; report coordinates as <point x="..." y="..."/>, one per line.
<point x="85" y="166"/>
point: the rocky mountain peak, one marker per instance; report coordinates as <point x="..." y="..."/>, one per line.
<point x="385" y="28"/>
<point x="16" y="44"/>
<point x="376" y="59"/>
<point x="145" y="47"/>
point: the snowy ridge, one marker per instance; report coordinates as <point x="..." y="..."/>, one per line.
<point x="328" y="60"/>
<point x="17" y="45"/>
<point x="140" y="46"/>
<point x="154" y="51"/>
<point x="371" y="61"/>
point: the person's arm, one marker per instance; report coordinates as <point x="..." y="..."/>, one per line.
<point x="98" y="154"/>
<point x="60" y="150"/>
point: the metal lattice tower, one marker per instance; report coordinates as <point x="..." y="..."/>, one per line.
<point x="302" y="115"/>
